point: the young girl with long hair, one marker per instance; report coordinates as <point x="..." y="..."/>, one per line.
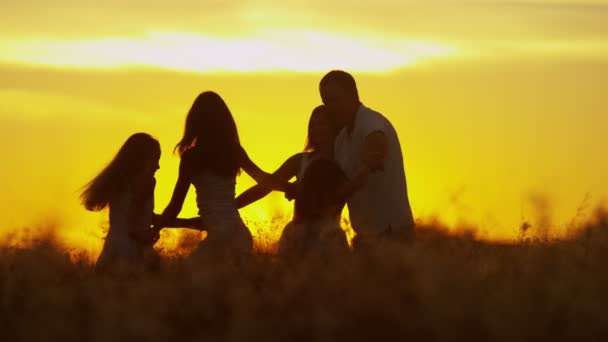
<point x="211" y="158"/>
<point x="320" y="145"/>
<point x="126" y="186"/>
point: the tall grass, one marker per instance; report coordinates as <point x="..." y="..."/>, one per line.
<point x="442" y="287"/>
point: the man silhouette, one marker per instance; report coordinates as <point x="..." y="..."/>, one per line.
<point x="380" y="208"/>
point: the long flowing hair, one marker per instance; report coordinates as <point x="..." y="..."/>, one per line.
<point x="121" y="171"/>
<point x="311" y="146"/>
<point x="211" y="132"/>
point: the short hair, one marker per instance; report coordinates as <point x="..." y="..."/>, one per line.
<point x="345" y="80"/>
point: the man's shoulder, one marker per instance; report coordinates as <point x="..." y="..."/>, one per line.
<point x="370" y="111"/>
<point x="372" y="114"/>
<point x="371" y="120"/>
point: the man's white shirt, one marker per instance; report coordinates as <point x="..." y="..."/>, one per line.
<point x="383" y="200"/>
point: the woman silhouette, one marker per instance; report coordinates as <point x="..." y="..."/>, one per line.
<point x="320" y="145"/>
<point x="211" y="158"/>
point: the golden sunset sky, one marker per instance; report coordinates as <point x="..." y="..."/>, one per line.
<point x="501" y="106"/>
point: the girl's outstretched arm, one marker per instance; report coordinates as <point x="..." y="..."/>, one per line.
<point x="191" y="222"/>
<point x="263" y="178"/>
<point x="284" y="173"/>
<point x="179" y="192"/>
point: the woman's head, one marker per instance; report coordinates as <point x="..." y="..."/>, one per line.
<point x="321" y="129"/>
<point x="210" y="128"/>
<point x="138" y="157"/>
<point x="209" y="124"/>
<point x="316" y="194"/>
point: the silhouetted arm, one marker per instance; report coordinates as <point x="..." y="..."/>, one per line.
<point x="191" y="222"/>
<point x="179" y="192"/>
<point x="263" y="178"/>
<point x="285" y="172"/>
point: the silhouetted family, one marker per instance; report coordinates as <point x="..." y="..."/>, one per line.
<point x="353" y="157"/>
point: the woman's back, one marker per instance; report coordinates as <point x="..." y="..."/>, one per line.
<point x="219" y="213"/>
<point x="215" y="199"/>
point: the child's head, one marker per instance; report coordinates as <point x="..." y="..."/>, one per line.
<point x="137" y="158"/>
<point x="317" y="190"/>
<point x="321" y="129"/>
<point x="211" y="127"/>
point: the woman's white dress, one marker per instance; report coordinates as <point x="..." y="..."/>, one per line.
<point x="215" y="197"/>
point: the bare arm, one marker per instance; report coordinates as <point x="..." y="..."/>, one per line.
<point x="284" y="173"/>
<point x="179" y="192"/>
<point x="191" y="222"/>
<point x="265" y="179"/>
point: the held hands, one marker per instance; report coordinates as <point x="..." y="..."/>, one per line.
<point x="191" y="223"/>
<point x="146" y="237"/>
<point x="152" y="235"/>
<point x="290" y="191"/>
<point x="159" y="222"/>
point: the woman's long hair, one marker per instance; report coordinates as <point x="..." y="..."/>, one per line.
<point x="211" y="132"/>
<point x="121" y="171"/>
<point x="322" y="179"/>
<point x="311" y="146"/>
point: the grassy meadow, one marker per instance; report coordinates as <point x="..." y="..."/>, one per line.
<point x="444" y="286"/>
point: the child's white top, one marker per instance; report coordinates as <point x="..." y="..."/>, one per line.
<point x="118" y="243"/>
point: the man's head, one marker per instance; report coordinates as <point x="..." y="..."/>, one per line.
<point x="339" y="93"/>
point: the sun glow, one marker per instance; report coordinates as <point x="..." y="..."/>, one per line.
<point x="293" y="50"/>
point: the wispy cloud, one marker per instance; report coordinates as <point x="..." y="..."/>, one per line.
<point x="294" y="50"/>
<point x="445" y="19"/>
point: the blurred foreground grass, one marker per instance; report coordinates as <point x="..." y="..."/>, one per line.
<point x="443" y="287"/>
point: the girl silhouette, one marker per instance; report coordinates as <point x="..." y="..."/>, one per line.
<point x="319" y="203"/>
<point x="211" y="158"/>
<point x="126" y="186"/>
<point x="320" y="145"/>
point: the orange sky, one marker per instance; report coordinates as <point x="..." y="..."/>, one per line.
<point x="498" y="104"/>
